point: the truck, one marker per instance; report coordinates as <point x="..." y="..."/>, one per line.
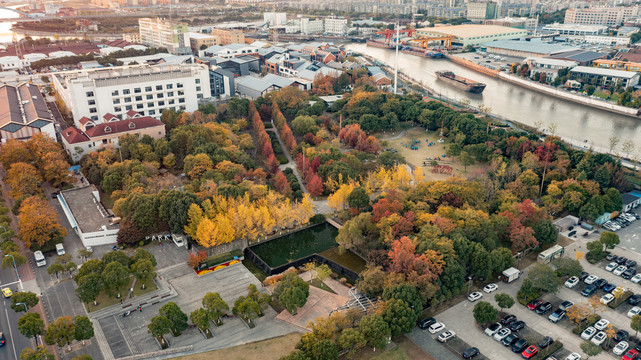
<point x="587" y="226"/>
<point x="510" y="275"/>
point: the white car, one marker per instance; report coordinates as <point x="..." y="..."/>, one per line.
<point x="474" y="296"/>
<point x="620" y="348"/>
<point x="490" y="287"/>
<point x="502" y="334"/>
<point x="573" y="356"/>
<point x="636" y="278"/>
<point x="571" y="282"/>
<point x="436" y="327"/>
<point x="446" y="335"/>
<point x="620" y="270"/>
<point x="599" y="338"/>
<point x="602" y="324"/>
<point x="611" y="266"/>
<point x="607" y="298"/>
<point x="591" y="279"/>
<point x="493" y="329"/>
<point x="588" y="333"/>
<point x="634" y="311"/>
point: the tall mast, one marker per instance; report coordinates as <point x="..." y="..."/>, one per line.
<point x="398" y="32"/>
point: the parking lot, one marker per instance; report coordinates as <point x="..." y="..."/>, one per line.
<point x="630" y="236"/>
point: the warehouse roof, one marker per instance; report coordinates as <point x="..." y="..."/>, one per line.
<point x="536" y="47"/>
<point x="604" y="72"/>
<point x="471" y="30"/>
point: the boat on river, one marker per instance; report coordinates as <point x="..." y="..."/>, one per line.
<point x="460" y="82"/>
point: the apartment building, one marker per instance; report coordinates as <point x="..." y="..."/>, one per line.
<point x="200" y="41"/>
<point x="146" y="89"/>
<point x="335" y="26"/>
<point x="483" y="10"/>
<point x="309" y="26"/>
<point x="229" y="36"/>
<point x="275" y="18"/>
<point x="605" y="77"/>
<point x="610" y="16"/>
<point x="24" y="113"/>
<point x="172" y="35"/>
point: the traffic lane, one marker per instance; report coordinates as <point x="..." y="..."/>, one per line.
<point x="15" y="341"/>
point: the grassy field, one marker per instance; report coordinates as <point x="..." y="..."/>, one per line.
<point x="405" y="350"/>
<point x="104" y="299"/>
<point x="426" y="153"/>
<point x="272" y="349"/>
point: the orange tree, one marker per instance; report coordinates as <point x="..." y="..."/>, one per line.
<point x="24" y="180"/>
<point x="38" y="222"/>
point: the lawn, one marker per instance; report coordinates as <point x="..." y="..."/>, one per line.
<point x="319" y="284"/>
<point x="104" y="299"/>
<point x="150" y="285"/>
<point x="405" y="350"/>
<point x="264" y="350"/>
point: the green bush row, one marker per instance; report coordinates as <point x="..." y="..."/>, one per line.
<point x="544" y="353"/>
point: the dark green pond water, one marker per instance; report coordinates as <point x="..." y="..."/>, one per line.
<point x="288" y="248"/>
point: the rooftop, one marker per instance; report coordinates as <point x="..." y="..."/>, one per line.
<point x="254" y="83"/>
<point x="471" y="30"/>
<point x="583" y="56"/>
<point x="553" y="62"/>
<point x="576" y="27"/>
<point x="200" y="36"/>
<point x="22" y="104"/>
<point x="604" y="72"/>
<point x="87" y="210"/>
<point x="537" y="47"/>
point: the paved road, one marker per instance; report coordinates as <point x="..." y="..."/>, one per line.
<point x="9" y="322"/>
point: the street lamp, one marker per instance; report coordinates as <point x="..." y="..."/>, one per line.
<point x="25" y="306"/>
<point x="16" y="268"/>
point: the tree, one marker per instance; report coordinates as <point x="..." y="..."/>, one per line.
<point x="545" y="232"/>
<point x="399" y="315"/>
<point x="215" y="305"/>
<point x="63" y="259"/>
<point x="358" y="199"/>
<point x="159" y="326"/>
<point x="178" y="318"/>
<point x="375" y="330"/>
<point x="143" y="270"/>
<point x="141" y="254"/>
<point x="609" y="239"/>
<point x="291" y="298"/>
<point x="40" y="353"/>
<point x="504" y="301"/>
<point x="200" y="317"/>
<point x="544" y="278"/>
<point x="566" y="267"/>
<point x="590" y="349"/>
<point x="84" y="254"/>
<point x="114" y="276"/>
<point x="89" y="286"/>
<point x="595" y="248"/>
<point x="24" y="180"/>
<point x="484" y="313"/>
<point x="315" y="185"/>
<point x="23" y="297"/>
<point x="407" y="293"/>
<point x="527" y="292"/>
<point x="351" y="340"/>
<point x="303" y="124"/>
<point x="246" y="307"/>
<point x="610" y="332"/>
<point x="466" y="159"/>
<point x="38" y="222"/>
<point x="635" y="324"/>
<point x="117" y="256"/>
<point x="8" y="260"/>
<point x="31" y="325"/>
<point x="60" y="332"/>
<point x="83" y="328"/>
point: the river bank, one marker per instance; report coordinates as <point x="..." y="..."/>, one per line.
<point x="54" y="35"/>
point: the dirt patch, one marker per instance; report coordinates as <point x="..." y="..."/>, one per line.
<point x="429" y="149"/>
<point x="264" y="350"/>
<point x="405" y="350"/>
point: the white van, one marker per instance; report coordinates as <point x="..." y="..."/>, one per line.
<point x="40" y="259"/>
<point x="60" y="249"/>
<point x="179" y="240"/>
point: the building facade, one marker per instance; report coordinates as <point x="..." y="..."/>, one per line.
<point x="610" y="16"/>
<point x="335" y="26"/>
<point x="24" y="113"/>
<point x="473" y="34"/>
<point x="605" y="77"/>
<point x="172" y="35"/>
<point x="483" y="10"/>
<point x="309" y="26"/>
<point x="229" y="36"/>
<point x="575" y="29"/>
<point x="198" y="40"/>
<point x="275" y="18"/>
<point x="145" y="89"/>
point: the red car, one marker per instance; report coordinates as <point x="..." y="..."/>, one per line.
<point x="630" y="355"/>
<point x="530" y="351"/>
<point x="534" y="304"/>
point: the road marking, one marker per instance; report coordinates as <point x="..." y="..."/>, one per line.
<point x="15" y="355"/>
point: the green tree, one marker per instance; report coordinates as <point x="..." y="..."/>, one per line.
<point x="590" y="90"/>
<point x="61" y="332"/>
<point x="114" y="276"/>
<point x="358" y="198"/>
<point x="82" y="357"/>
<point x="635" y="324"/>
<point x="609" y="239"/>
<point x="501" y="259"/>
<point x="141" y="254"/>
<point x="63" y="259"/>
<point x="84" y="254"/>
<point x="351" y="340"/>
<point x="159" y="326"/>
<point x="595" y="247"/>
<point x="117" y="256"/>
<point x="200" y="317"/>
<point x="544" y="278"/>
<point x="466" y="159"/>
<point x="324" y="350"/>
<point x="590" y="349"/>
<point x="40" y="353"/>
<point x="93" y="266"/>
<point x="484" y="313"/>
<point x="295" y="355"/>
<point x="246" y="307"/>
<point x="23" y="297"/>
<point x="89" y="286"/>
<point x="304" y="124"/>
<point x="376" y="330"/>
<point x="545" y="232"/>
<point x="407" y="293"/>
<point x="566" y="267"/>
<point x="292" y="298"/>
<point x="215" y="305"/>
<point x="527" y="292"/>
<point x="31" y="325"/>
<point x="504" y="301"/>
<point x="143" y="270"/>
<point x="400" y="316"/>
<point x="7" y="261"/>
<point x="178" y="318"/>
<point x="83" y="328"/>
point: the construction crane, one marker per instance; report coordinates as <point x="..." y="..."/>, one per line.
<point x="424" y="41"/>
<point x="389" y="33"/>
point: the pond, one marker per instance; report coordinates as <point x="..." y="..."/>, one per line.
<point x="297" y="245"/>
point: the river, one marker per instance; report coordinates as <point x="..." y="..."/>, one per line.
<point x="5" y="27"/>
<point x="574" y="122"/>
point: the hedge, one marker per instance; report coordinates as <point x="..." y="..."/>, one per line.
<point x="621" y="300"/>
<point x="544" y="353"/>
<point x="577" y="330"/>
<point x="214" y="260"/>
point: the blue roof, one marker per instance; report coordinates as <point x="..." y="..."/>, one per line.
<point x="375" y="70"/>
<point x="636" y="193"/>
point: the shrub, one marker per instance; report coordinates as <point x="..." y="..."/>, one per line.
<point x="282" y="159"/>
<point x="4" y="210"/>
<point x="577" y="330"/>
<point x="317" y="219"/>
<point x="620" y="300"/>
<point x="544" y="353"/>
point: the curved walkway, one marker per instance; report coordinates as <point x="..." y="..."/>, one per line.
<point x="291" y="164"/>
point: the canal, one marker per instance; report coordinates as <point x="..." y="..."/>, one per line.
<point x="575" y="123"/>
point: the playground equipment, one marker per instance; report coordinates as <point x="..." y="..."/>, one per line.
<point x="415" y="144"/>
<point x="442" y="169"/>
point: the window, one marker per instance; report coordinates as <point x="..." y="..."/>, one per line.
<point x="127" y="99"/>
<point x="89" y="93"/>
<point x="148" y="88"/>
<point x="197" y="88"/>
<point x="139" y="106"/>
<point x="171" y="102"/>
<point x="94" y="118"/>
<point x="152" y="112"/>
<point x="149" y="97"/>
<point x="199" y="96"/>
<point x="117" y="109"/>
<point x="161" y="103"/>
<point x="181" y="100"/>
<point x="138" y="98"/>
<point x="128" y="107"/>
<point x="126" y="92"/>
<point x="158" y="87"/>
<point x="91" y="102"/>
<point x="114" y="93"/>
<point x="170" y="86"/>
<point x="160" y="95"/>
<point x="150" y="104"/>
<point x="181" y="93"/>
<point x="171" y="93"/>
<point x="137" y="90"/>
<point x="107" y="130"/>
<point x="93" y="110"/>
<point x="116" y="101"/>
<point x="179" y="85"/>
<point x="197" y="81"/>
<point x="132" y="125"/>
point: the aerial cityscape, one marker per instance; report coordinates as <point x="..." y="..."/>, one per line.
<point x="318" y="180"/>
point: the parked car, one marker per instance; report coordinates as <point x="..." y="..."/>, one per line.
<point x="493" y="329"/>
<point x="545" y="342"/>
<point x="557" y="315"/>
<point x="507" y="320"/>
<point x="519" y="346"/>
<point x="490" y="287"/>
<point x="510" y="339"/>
<point x="610" y="257"/>
<point x="621" y="260"/>
<point x="609" y="287"/>
<point x="630" y="263"/>
<point x="566" y="305"/>
<point x="474" y="296"/>
<point x="439" y="326"/>
<point x="589" y="290"/>
<point x="530" y="352"/>
<point x="628" y="274"/>
<point x="599" y="338"/>
<point x="446" y="336"/>
<point x="518" y="325"/>
<point x="534" y="304"/>
<point x="573" y="356"/>
<point x="621" y="335"/>
<point x="620" y="348"/>
<point x="583" y="276"/>
<point x="588" y="333"/>
<point x="571" y="282"/>
<point x="607" y="298"/>
<point x="544" y="308"/>
<point x="611" y="266"/>
<point x="601" y="283"/>
<point x="631" y="355"/>
<point x="634" y="311"/>
<point x="471" y="353"/>
<point x="591" y="279"/>
<point x="619" y="270"/>
<point x="634" y="299"/>
<point x="501" y="334"/>
<point x="602" y="324"/>
<point x="636" y="278"/>
<point x="425" y="323"/>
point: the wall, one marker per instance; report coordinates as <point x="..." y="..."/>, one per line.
<point x="98" y="238"/>
<point x="238" y="244"/>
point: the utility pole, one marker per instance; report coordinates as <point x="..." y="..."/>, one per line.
<point x="398" y="32"/>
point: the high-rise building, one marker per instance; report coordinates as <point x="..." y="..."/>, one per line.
<point x="483" y="10"/>
<point x="336" y="25"/>
<point x="275" y="18"/>
<point x="168" y="34"/>
<point x="229" y="36"/>
<point x="611" y="16"/>
<point x="145" y="89"/>
<point x="309" y="26"/>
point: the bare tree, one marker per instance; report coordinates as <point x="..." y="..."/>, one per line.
<point x="553" y="127"/>
<point x="614" y="141"/>
<point x="627" y="147"/>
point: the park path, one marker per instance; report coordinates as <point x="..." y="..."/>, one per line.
<point x="291" y="164"/>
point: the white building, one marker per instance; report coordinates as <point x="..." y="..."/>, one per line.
<point x="11" y="63"/>
<point x="611" y="16"/>
<point x="145" y="89"/>
<point x="275" y="18"/>
<point x="575" y="29"/>
<point x="549" y="66"/>
<point x="308" y="26"/>
<point x="88" y="216"/>
<point x="171" y="35"/>
<point x="335" y="26"/>
<point x="229" y="51"/>
<point x="607" y="40"/>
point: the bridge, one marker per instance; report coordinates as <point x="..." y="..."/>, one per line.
<point x="19" y="12"/>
